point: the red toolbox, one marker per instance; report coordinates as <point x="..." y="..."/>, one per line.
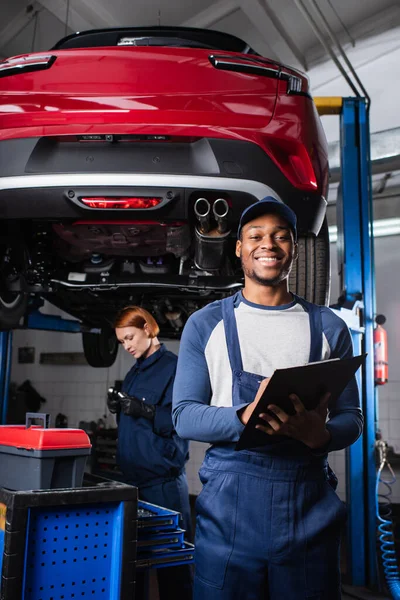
<point x="36" y="457"/>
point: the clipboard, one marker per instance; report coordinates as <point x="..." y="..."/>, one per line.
<point x="309" y="383"/>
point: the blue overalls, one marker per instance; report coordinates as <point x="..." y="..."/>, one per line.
<point x="268" y="524"/>
<point x="152" y="457"/>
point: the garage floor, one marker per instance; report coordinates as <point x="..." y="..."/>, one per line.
<point x="349" y="593"/>
<point x="360" y="593"/>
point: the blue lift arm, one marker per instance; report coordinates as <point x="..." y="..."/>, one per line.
<point x="38" y="320"/>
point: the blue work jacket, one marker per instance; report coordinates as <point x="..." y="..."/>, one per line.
<point x="150" y="452"/>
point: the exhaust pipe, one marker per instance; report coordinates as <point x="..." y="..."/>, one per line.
<point x="202" y="210"/>
<point x="210" y="246"/>
<point x="220" y="210"/>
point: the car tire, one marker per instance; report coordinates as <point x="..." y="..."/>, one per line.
<point x="310" y="277"/>
<point x="13" y="307"/>
<point x="100" y="349"/>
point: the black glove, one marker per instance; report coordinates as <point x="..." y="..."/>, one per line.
<point x="132" y="406"/>
<point x="129" y="405"/>
<point x="113" y="401"/>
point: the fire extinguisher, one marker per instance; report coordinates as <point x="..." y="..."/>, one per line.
<point x="381" y="366"/>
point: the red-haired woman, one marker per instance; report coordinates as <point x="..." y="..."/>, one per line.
<point x="150" y="454"/>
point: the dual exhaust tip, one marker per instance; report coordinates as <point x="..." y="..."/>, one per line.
<point x="220" y="209"/>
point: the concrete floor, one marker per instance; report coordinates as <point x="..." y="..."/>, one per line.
<point x="349" y="593"/>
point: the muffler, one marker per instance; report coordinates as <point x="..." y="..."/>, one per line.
<point x="211" y="245"/>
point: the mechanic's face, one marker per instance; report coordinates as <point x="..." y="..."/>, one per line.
<point x="134" y="340"/>
<point x="267" y="250"/>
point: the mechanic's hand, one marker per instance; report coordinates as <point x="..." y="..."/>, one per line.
<point x="113" y="401"/>
<point x="307" y="426"/>
<point x="134" y="407"/>
<point x="248" y="411"/>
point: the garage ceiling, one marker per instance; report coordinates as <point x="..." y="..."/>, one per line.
<point x="275" y="28"/>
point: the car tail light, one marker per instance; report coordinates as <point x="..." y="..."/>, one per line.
<point x="24" y="64"/>
<point x="294" y="161"/>
<point x="296" y="83"/>
<point x="244" y="64"/>
<point x="121" y="202"/>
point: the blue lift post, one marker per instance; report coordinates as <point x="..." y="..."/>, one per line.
<point x="355" y="238"/>
<point x="356" y="257"/>
<point x="5" y="370"/>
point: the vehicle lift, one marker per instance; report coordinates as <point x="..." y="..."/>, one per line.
<point x="354" y="215"/>
<point x="357" y="308"/>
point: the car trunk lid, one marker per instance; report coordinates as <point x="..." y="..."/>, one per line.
<point x="142" y="84"/>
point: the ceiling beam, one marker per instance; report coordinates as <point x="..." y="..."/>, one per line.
<point x="381" y="22"/>
<point x="88" y="15"/>
<point x="18" y="23"/>
<point x="75" y="20"/>
<point x="212" y="14"/>
<point x="94" y="10"/>
<point x="264" y="19"/>
<point x="285" y="35"/>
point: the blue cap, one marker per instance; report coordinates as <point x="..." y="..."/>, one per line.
<point x="268" y="205"/>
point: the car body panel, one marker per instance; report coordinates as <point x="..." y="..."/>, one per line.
<point x="178" y="90"/>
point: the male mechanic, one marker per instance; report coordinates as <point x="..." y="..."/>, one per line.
<point x="269" y="521"/>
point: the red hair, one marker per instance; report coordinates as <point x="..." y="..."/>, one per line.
<point x="135" y="316"/>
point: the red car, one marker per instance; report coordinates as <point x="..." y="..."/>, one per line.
<point x="126" y="158"/>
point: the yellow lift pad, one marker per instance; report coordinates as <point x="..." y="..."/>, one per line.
<point x="328" y="105"/>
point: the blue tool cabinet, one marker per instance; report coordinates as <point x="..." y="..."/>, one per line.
<point x="69" y="543"/>
<point x="161" y="542"/>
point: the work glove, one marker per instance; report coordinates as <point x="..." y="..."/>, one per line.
<point x="130" y="405"/>
<point x="113" y="401"/>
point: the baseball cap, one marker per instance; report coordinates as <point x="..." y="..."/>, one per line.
<point x="266" y="206"/>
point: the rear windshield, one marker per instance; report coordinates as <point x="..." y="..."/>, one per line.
<point x="177" y="37"/>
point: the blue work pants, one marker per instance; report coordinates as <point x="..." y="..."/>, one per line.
<point x="268" y="528"/>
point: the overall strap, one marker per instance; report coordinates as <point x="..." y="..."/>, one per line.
<point x="314" y="315"/>
<point x="231" y="333"/>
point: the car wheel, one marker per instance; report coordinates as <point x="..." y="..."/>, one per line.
<point x="13" y="306"/>
<point x="310" y="277"/>
<point x="100" y="349"/>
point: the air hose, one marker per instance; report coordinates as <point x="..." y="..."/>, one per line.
<point x="385" y="526"/>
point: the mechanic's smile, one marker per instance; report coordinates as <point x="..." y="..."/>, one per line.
<point x="267" y="259"/>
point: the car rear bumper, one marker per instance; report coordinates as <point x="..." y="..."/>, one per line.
<point x="57" y="196"/>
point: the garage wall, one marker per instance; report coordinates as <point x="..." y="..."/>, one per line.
<point x="79" y="392"/>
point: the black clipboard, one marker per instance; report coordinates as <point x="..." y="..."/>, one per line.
<point x="308" y="382"/>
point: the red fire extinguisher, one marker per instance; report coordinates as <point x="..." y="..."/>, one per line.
<point x="381" y="366"/>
